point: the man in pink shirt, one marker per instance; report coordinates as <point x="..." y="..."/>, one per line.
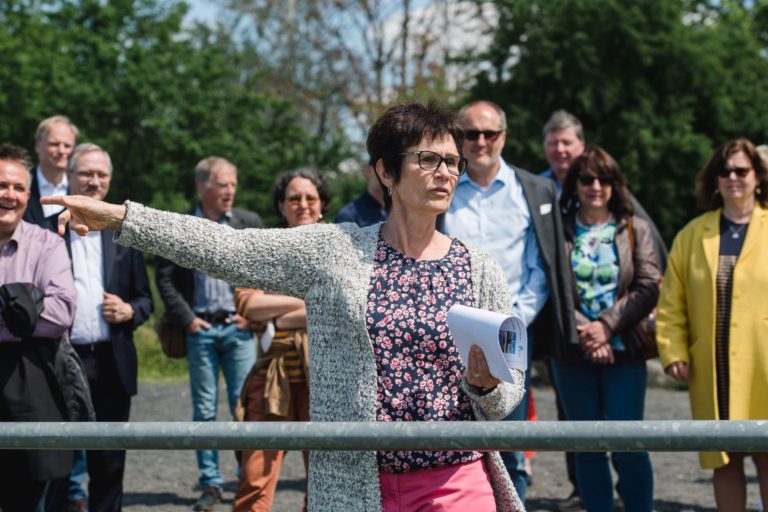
<point x="30" y="254"/>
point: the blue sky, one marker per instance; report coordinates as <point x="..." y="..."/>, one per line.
<point x="203" y="10"/>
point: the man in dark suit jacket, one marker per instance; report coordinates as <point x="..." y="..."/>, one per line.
<point x="204" y="307"/>
<point x="514" y="215"/>
<point x="368" y="208"/>
<point x="54" y="140"/>
<point x="113" y="299"/>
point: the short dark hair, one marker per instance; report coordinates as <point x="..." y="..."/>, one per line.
<point x="406" y="125"/>
<point x="285" y="178"/>
<point x="596" y="161"/>
<point x="20" y="156"/>
<point x="706" y="180"/>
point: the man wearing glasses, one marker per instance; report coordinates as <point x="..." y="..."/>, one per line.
<point x="514" y="216"/>
<point x="204" y="307"/>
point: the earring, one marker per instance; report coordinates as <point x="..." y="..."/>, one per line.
<point x="321" y="216"/>
<point x="389" y="191"/>
<point x="758" y="191"/>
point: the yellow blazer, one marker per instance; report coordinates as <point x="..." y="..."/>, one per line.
<point x="686" y="320"/>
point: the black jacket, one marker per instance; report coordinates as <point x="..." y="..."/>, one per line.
<point x="176" y="284"/>
<point x="555" y="326"/>
<point x="34" y="212"/>
<point x="125" y="275"/>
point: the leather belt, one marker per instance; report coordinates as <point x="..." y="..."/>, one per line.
<point x="91" y="347"/>
<point x="219" y="317"/>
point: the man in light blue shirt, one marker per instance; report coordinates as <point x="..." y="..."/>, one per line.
<point x="514" y="216"/>
<point x="497" y="219"/>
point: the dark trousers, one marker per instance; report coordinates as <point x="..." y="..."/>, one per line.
<point x="112" y="403"/>
<point x="570" y="457"/>
<point x="29" y="393"/>
<point x="18" y="494"/>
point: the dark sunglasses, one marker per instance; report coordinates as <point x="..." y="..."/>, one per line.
<point x="587" y="180"/>
<point x="490" y="135"/>
<point x="725" y="172"/>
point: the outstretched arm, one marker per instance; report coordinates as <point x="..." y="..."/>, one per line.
<point x="287" y="261"/>
<point x="84" y="214"/>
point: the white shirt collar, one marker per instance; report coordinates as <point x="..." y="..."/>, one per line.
<point x="44" y="184"/>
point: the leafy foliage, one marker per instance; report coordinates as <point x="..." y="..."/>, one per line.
<point x="158" y="96"/>
<point x="658" y="83"/>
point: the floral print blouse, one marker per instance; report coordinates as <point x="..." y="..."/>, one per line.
<point x="595" y="263"/>
<point x="418" y="364"/>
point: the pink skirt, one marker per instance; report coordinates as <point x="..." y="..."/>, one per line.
<point x="454" y="488"/>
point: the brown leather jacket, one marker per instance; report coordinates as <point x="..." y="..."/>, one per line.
<point x="639" y="278"/>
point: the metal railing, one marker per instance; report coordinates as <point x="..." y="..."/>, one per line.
<point x="666" y="436"/>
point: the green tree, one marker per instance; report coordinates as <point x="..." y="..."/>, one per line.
<point x="658" y="83"/>
<point x="157" y="95"/>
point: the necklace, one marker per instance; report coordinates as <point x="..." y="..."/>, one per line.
<point x="736" y="233"/>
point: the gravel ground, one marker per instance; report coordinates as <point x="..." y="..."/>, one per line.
<point x="165" y="480"/>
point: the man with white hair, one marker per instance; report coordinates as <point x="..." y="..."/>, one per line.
<point x="113" y="300"/>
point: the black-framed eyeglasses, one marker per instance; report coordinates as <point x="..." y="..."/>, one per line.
<point x="725" y="172"/>
<point x="490" y="135"/>
<point x="430" y="161"/>
<point x="587" y="180"/>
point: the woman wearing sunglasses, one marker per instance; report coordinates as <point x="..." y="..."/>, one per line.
<point x="376" y="301"/>
<point x="616" y="284"/>
<point x="712" y="322"/>
<point x="276" y="388"/>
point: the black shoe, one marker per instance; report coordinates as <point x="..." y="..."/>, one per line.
<point x="570" y="504"/>
<point x="210" y="497"/>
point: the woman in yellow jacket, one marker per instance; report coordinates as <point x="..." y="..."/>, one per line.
<point x="713" y="311"/>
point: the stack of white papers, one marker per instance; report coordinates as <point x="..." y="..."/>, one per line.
<point x="471" y="326"/>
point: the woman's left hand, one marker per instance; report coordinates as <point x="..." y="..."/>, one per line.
<point x="593" y="335"/>
<point x="602" y="354"/>
<point x="478" y="374"/>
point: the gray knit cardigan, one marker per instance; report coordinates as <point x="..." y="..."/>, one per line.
<point x="329" y="266"/>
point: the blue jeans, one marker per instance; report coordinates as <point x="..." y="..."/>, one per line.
<point x="607" y="392"/>
<point x="515" y="461"/>
<point x="76" y="488"/>
<point x="234" y="351"/>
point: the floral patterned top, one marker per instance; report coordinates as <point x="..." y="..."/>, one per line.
<point x="418" y="365"/>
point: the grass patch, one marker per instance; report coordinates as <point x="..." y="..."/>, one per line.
<point x="675" y="385"/>
<point x="153" y="364"/>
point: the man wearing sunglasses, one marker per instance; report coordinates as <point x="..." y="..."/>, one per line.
<point x="204" y="307"/>
<point x="514" y="215"/>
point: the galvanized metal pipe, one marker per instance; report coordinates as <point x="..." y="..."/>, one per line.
<point x="668" y="436"/>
